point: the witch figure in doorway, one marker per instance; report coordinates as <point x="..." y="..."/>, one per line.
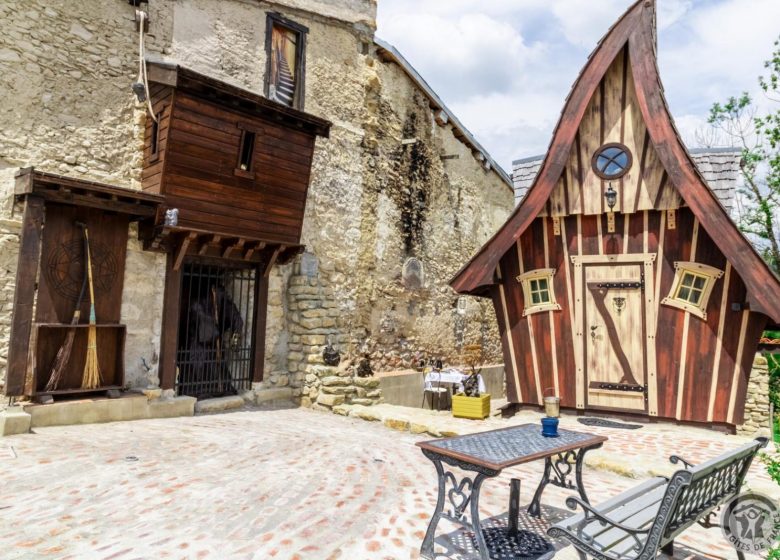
<point x="214" y="329"/>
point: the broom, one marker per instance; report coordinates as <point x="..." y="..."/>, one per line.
<point x="91" y="378"/>
<point x="63" y="354"/>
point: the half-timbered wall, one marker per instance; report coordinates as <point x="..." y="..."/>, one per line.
<point x="701" y="366"/>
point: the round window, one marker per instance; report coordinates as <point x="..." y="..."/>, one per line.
<point x="612" y="161"/>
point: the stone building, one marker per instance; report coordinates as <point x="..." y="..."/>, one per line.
<point x="400" y="193"/>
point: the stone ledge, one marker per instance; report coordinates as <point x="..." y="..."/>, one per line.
<point x="94" y="411"/>
<point x="219" y="404"/>
<point x="278" y="395"/>
<point x="14" y="420"/>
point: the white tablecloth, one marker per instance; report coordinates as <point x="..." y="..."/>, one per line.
<point x="451" y="377"/>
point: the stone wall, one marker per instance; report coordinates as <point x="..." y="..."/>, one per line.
<point x="757" y="402"/>
<point x="66" y="107"/>
<point x="376" y="199"/>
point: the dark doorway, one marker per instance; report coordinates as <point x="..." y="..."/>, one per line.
<point x="215" y="344"/>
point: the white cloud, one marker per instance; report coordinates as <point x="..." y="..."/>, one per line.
<point x="470" y="54"/>
<point x="505" y="66"/>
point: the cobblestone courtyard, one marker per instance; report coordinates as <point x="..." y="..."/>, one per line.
<point x="284" y="484"/>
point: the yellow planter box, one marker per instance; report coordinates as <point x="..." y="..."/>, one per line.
<point x="476" y="408"/>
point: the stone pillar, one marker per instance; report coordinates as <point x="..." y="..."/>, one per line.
<point x="757" y="421"/>
<point x="327" y="387"/>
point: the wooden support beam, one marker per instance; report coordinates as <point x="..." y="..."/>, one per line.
<point x="258" y="246"/>
<point x="237" y="246"/>
<point x="170" y="324"/>
<point x="272" y="260"/>
<point x="214" y="242"/>
<point x="24" y="295"/>
<point x="181" y="252"/>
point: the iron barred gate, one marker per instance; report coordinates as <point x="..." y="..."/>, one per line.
<point x="215" y="344"/>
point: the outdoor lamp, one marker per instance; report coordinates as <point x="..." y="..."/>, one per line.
<point x="611" y="196"/>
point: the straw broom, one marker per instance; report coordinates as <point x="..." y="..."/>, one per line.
<point x="92" y="377"/>
<point x="63" y="354"/>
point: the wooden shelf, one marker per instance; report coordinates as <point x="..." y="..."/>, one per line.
<point x="79" y="326"/>
<point x="49" y="338"/>
<point x="79" y="390"/>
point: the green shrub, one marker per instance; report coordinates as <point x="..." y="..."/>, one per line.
<point x="772" y="463"/>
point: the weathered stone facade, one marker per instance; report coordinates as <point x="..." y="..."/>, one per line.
<point x="380" y="192"/>
<point x="757" y="402"/>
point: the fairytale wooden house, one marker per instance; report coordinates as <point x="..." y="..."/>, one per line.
<point x="620" y="282"/>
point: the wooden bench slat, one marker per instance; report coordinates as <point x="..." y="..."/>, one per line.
<point x="621" y="499"/>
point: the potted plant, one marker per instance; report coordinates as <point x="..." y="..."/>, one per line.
<point x="471" y="403"/>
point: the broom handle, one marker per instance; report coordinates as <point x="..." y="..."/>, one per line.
<point x="92" y="318"/>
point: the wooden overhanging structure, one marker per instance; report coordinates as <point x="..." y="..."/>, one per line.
<point x="68" y="199"/>
<point x="233" y="166"/>
<point x="636" y="31"/>
<point x="234" y="169"/>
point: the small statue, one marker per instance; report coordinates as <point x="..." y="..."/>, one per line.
<point x="172" y="217"/>
<point x="364" y="367"/>
<point x="330" y="355"/>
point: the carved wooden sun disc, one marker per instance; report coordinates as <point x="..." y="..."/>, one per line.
<point x="66" y="268"/>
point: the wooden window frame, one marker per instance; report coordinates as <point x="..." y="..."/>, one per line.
<point x="244" y="129"/>
<point x="154" y="137"/>
<point x="525" y="281"/>
<point x="272" y="19"/>
<point x="600" y="150"/>
<point x="709" y="273"/>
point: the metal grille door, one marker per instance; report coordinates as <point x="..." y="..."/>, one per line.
<point x="215" y="346"/>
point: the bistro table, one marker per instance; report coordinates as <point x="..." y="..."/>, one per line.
<point x="487" y="454"/>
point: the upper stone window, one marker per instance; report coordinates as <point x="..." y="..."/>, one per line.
<point x="285" y="47"/>
<point x="692" y="286"/>
<point x="612" y="161"/>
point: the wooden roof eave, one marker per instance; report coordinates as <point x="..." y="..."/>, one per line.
<point x="237" y="98"/>
<point x="478" y="274"/>
<point x="91" y="194"/>
<point x="763" y="286"/>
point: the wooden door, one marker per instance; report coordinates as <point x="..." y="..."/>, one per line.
<point x="614" y="337"/>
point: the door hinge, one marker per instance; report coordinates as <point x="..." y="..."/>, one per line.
<point x="624" y="285"/>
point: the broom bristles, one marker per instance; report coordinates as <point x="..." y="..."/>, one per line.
<point x="92" y="378"/>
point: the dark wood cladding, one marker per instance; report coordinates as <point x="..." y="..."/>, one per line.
<point x="24" y="295"/>
<point x="201" y="123"/>
<point x="701" y="367"/>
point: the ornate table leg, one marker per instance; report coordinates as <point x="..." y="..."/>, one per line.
<point x="560" y="467"/>
<point x="461" y="495"/>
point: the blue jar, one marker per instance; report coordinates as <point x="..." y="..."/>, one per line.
<point x="550" y="427"/>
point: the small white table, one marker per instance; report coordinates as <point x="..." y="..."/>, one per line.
<point x="451" y="377"/>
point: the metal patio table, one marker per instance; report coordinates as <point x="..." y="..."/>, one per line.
<point x="487" y="454"/>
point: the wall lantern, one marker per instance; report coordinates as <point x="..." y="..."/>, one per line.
<point x="611" y="197"/>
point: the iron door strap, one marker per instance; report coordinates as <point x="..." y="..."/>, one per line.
<point x="623" y="285"/>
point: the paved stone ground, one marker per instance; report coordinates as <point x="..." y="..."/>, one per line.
<point x="256" y="484"/>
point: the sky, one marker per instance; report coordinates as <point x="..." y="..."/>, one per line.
<point x="504" y="67"/>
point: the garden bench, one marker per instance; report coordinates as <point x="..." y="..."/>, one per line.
<point x="638" y="523"/>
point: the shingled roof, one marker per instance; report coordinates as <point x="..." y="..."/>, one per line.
<point x="719" y="166"/>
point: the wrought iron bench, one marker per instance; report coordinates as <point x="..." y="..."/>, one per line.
<point x="638" y="523"/>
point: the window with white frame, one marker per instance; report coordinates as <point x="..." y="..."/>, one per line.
<point x="692" y="287"/>
<point x="538" y="292"/>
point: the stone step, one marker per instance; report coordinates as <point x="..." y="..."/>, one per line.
<point x="219" y="404"/>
